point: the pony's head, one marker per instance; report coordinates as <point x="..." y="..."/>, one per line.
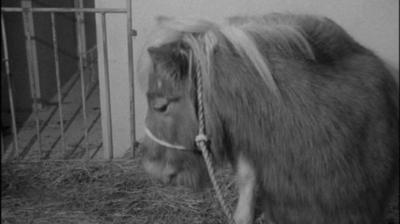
<point x="182" y="49"/>
<point x="170" y="153"/>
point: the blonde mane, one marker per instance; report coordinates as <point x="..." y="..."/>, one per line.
<point x="203" y="36"/>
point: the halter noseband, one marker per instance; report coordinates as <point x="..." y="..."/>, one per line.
<point x="162" y="142"/>
<point x="201" y="136"/>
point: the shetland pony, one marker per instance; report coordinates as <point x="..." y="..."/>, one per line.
<point x="306" y="115"/>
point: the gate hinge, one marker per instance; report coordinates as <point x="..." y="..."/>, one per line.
<point x="133" y="32"/>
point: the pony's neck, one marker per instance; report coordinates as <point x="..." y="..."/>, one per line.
<point x="238" y="105"/>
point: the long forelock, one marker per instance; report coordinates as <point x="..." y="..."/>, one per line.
<point x="170" y="31"/>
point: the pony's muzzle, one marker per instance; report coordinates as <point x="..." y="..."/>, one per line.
<point x="163" y="173"/>
<point x="157" y="168"/>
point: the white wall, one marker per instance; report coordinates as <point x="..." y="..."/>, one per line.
<point x="374" y="23"/>
<point x="119" y="79"/>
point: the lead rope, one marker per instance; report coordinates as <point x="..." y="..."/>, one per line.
<point x="202" y="141"/>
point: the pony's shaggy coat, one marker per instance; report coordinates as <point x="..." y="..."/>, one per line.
<point x="313" y="112"/>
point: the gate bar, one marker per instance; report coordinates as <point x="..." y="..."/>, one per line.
<point x="31" y="49"/>
<point x="2" y="144"/>
<point x="130" y="33"/>
<point x="109" y="147"/>
<point x="72" y="10"/>
<point x="80" y="24"/>
<point x="35" y="98"/>
<point x="83" y="88"/>
<point x="80" y="27"/>
<point x="57" y="69"/>
<point x="10" y="90"/>
<point x="34" y="85"/>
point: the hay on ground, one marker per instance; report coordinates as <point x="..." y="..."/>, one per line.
<point x="113" y="192"/>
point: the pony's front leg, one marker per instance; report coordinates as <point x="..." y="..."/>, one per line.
<point x="246" y="182"/>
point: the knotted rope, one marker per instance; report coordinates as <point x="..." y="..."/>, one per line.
<point x="202" y="143"/>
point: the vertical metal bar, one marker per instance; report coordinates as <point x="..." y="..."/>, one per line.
<point x="34" y="83"/>
<point x="83" y="89"/>
<point x="80" y="25"/>
<point x="129" y="31"/>
<point x="31" y="48"/>
<point x="109" y="147"/>
<point x="92" y="63"/>
<point x="57" y="69"/>
<point x="25" y="20"/>
<point x="10" y="90"/>
<point x="2" y="146"/>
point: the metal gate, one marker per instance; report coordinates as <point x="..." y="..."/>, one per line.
<point x="14" y="152"/>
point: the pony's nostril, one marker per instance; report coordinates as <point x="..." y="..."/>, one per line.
<point x="169" y="173"/>
<point x="168" y="178"/>
<point x="171" y="177"/>
<point x="138" y="145"/>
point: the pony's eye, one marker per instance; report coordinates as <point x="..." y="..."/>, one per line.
<point x="163" y="108"/>
<point x="160" y="104"/>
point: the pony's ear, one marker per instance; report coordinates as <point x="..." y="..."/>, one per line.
<point x="163" y="19"/>
<point x="172" y="53"/>
<point x="158" y="54"/>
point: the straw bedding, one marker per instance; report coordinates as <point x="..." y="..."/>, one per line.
<point x="117" y="192"/>
<point x="108" y="192"/>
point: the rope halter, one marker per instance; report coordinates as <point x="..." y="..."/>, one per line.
<point x="201" y="139"/>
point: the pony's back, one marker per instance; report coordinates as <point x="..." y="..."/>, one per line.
<point x="330" y="45"/>
<point x="328" y="40"/>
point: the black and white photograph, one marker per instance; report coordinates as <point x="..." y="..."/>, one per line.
<point x="199" y="112"/>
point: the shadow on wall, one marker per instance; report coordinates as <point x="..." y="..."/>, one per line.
<point x="394" y="71"/>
